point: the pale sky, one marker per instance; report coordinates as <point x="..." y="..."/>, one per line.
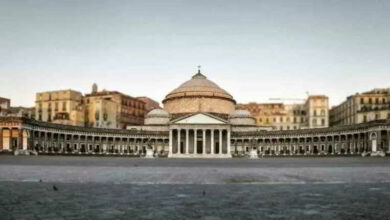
<point x="255" y="50"/>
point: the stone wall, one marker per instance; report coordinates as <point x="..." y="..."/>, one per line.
<point x="199" y="104"/>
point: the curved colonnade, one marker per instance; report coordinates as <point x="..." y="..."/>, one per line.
<point x="27" y="134"/>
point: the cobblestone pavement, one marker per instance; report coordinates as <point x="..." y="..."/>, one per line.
<point x="124" y="188"/>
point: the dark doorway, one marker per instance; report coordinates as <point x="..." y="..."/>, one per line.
<point x="330" y="149"/>
<point x="315" y="149"/>
<point x="181" y="148"/>
<point x="217" y="148"/>
<point x="199" y="147"/>
<point x="14" y="143"/>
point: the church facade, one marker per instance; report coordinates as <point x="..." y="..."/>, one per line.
<point x="199" y="120"/>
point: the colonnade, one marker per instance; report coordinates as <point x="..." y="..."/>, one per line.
<point x="316" y="144"/>
<point x="194" y="140"/>
<point x="48" y="141"/>
<point x="199" y="142"/>
<point x="13" y="138"/>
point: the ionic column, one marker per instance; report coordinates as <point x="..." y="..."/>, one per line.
<point x="388" y="140"/>
<point x="195" y="144"/>
<point x="212" y="142"/>
<point x="204" y="142"/>
<point x="170" y="142"/>
<point x="1" y="138"/>
<point x="228" y="142"/>
<point x="220" y="141"/>
<point x="20" y="140"/>
<point x="178" y="141"/>
<point x="187" y="141"/>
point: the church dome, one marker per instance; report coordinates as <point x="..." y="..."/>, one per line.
<point x="199" y="85"/>
<point x="199" y="94"/>
<point x="157" y="116"/>
<point x="242" y="117"/>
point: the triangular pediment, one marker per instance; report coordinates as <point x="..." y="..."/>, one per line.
<point x="199" y="118"/>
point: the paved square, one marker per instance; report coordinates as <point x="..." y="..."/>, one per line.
<point x="124" y="188"/>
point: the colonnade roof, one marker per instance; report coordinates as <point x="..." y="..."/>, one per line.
<point x="319" y="131"/>
<point x="42" y="124"/>
<point x="314" y="131"/>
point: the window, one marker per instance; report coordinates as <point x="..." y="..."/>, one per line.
<point x="56" y="106"/>
<point x="361" y="100"/>
<point x="281" y="119"/>
<point x="365" y="118"/>
<point x="323" y="112"/>
<point x="376" y="116"/>
<point x="315" y="112"/>
<point x="295" y="120"/>
<point x="314" y="121"/>
<point x="376" y="101"/>
<point x="288" y="127"/>
<point x="274" y="119"/>
<point x="369" y="101"/>
<point x="64" y="106"/>
<point x="288" y="119"/>
<point x="323" y="122"/>
<point x="388" y="115"/>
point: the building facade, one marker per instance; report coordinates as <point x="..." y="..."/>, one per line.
<point x="317" y="108"/>
<point x="18" y="133"/>
<point x="129" y="110"/>
<point x="62" y="106"/>
<point x="360" y="108"/>
<point x="100" y="109"/>
<point x="150" y="104"/>
<point x="203" y="132"/>
<point x="5" y="104"/>
<point x="313" y="113"/>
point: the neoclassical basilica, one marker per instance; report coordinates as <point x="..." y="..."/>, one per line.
<point x="199" y="120"/>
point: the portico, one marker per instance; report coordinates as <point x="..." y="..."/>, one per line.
<point x="199" y="135"/>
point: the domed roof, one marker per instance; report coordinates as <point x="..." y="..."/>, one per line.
<point x="242" y="117"/>
<point x="199" y="85"/>
<point x="241" y="113"/>
<point x="157" y="113"/>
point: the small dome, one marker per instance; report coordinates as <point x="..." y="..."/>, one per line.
<point x="157" y="117"/>
<point x="241" y="113"/>
<point x="242" y="117"/>
<point x="157" y="113"/>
